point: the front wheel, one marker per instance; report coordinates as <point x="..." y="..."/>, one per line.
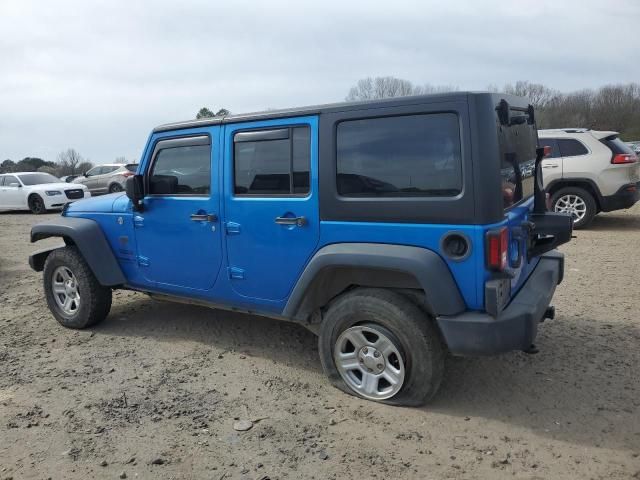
<point x="36" y="204"/>
<point x="378" y="345"/>
<point x="74" y="295"/>
<point x="577" y="202"/>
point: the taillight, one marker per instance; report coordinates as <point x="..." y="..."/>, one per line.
<point x="497" y="247"/>
<point x="128" y="174"/>
<point x="624" y="158"/>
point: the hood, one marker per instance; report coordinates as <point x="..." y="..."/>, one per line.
<point x="114" y="202"/>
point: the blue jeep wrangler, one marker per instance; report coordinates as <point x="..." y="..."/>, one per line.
<point x="396" y="230"/>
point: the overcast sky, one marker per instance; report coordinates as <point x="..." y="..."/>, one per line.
<point x="98" y="75"/>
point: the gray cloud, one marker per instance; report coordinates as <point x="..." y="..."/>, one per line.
<point x="98" y="76"/>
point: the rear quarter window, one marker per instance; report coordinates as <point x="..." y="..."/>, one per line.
<point x="399" y="156"/>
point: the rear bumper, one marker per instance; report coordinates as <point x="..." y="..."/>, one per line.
<point x="625" y="197"/>
<point x="515" y="328"/>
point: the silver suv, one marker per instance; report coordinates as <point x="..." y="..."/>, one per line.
<point x="588" y="172"/>
<point x="108" y="178"/>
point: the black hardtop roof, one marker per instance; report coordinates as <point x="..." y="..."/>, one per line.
<point x="327" y="108"/>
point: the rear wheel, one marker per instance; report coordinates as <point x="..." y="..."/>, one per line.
<point x="378" y="345"/>
<point x="73" y="293"/>
<point x="116" y="187"/>
<point x="36" y="204"/>
<point x="577" y="202"/>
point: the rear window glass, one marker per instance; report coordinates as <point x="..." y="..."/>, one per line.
<point x="517" y="162"/>
<point x="571" y="148"/>
<point x="617" y="146"/>
<point x="402" y="156"/>
<point x="132" y="167"/>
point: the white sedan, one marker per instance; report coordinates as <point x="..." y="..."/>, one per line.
<point x="37" y="191"/>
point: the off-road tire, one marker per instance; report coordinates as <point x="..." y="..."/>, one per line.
<point x="587" y="198"/>
<point x="36" y="204"/>
<point x="422" y="349"/>
<point x="95" y="300"/>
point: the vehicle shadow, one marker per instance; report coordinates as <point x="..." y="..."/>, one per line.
<point x="582" y="387"/>
<point x="615" y="222"/>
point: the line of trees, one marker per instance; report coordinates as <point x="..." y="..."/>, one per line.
<point x="68" y="162"/>
<point x="204" y="112"/>
<point x="611" y="107"/>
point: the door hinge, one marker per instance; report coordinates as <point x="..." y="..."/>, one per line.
<point x="138" y="221"/>
<point x="143" y="261"/>
<point x="236" y="273"/>
<point x="232" y="228"/>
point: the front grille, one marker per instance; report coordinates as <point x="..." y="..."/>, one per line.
<point x="74" y="194"/>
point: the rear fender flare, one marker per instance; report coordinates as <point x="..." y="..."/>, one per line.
<point x="335" y="267"/>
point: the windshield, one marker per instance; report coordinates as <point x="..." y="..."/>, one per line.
<point x="38" y="179"/>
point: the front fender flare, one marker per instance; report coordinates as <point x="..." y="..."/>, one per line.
<point x="442" y="296"/>
<point x="85" y="234"/>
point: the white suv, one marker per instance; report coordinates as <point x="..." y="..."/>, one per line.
<point x="588" y="172"/>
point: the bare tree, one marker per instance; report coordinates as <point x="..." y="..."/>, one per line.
<point x="68" y="161"/>
<point x="381" y="87"/>
<point x="122" y="160"/>
<point x="85" y="167"/>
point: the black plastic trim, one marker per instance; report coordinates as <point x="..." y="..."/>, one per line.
<point x="88" y="237"/>
<point x="427" y="269"/>
<point x="622" y="199"/>
<point x="516" y="327"/>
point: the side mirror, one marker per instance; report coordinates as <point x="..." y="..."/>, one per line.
<point x="135" y="191"/>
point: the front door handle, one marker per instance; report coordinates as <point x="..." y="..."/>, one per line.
<point x="297" y="221"/>
<point x="204" y="217"/>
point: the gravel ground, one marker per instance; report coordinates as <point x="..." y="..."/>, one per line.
<point x="155" y="390"/>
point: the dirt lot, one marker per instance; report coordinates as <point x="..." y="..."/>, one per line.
<point x="153" y="391"/>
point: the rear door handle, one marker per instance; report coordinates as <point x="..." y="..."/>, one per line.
<point x="204" y="217"/>
<point x="297" y="221"/>
<point x="550" y="166"/>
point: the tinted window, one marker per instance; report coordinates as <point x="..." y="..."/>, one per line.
<point x="38" y="179"/>
<point x="132" y="167"/>
<point x="413" y="155"/>
<point x="550" y="142"/>
<point x="571" y="148"/>
<point x="181" y="171"/>
<point x="109" y="169"/>
<point x="273" y="165"/>
<point x="518" y="158"/>
<point x="94" y="171"/>
<point x="8" y="180"/>
<point x="617" y="146"/>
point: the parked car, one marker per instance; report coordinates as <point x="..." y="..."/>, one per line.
<point x="68" y="178"/>
<point x="588" y="172"/>
<point x="394" y="229"/>
<point x="37" y="191"/>
<point x="107" y="178"/>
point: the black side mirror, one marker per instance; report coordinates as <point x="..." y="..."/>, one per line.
<point x="135" y="191"/>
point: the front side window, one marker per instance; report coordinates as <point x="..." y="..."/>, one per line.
<point x="402" y="156"/>
<point x="184" y="170"/>
<point x="272" y="162"/>
<point x="571" y="148"/>
<point x="9" y="179"/>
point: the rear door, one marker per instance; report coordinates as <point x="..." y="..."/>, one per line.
<point x="271" y="204"/>
<point x="12" y="193"/>
<point x="577" y="160"/>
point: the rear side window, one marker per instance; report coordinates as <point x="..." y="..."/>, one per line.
<point x="550" y="142"/>
<point x="181" y="171"/>
<point x="272" y="162"/>
<point x="401" y="156"/>
<point x="571" y="148"/>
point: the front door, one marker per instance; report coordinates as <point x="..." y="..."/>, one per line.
<point x="271" y="204"/>
<point x="178" y="231"/>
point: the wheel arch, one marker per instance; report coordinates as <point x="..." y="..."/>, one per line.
<point x="87" y="236"/>
<point x="584" y="183"/>
<point x="334" y="269"/>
